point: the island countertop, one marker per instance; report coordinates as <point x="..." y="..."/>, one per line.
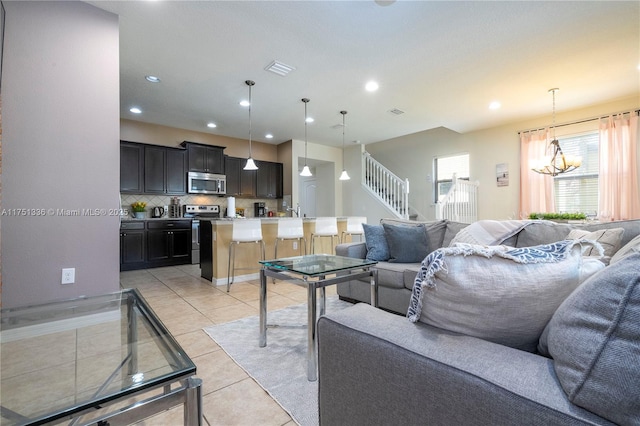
<point x="215" y="238"/>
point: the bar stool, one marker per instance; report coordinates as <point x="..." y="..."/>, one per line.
<point x="354" y="227"/>
<point x="325" y="227"/>
<point x="291" y="229"/>
<point x="243" y="231"/>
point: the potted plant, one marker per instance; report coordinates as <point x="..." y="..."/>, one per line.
<point x="138" y="209"/>
<point x="558" y="217"/>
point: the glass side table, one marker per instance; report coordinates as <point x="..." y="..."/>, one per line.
<point x="101" y="359"/>
<point x="316" y="271"/>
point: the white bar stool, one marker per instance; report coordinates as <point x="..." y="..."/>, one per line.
<point x="291" y="229"/>
<point x="354" y="227"/>
<point x="243" y="231"/>
<point x="325" y="227"/>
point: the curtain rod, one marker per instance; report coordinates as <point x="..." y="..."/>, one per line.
<point x="586" y="120"/>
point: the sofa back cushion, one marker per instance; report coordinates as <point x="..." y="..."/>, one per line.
<point x="411" y="244"/>
<point x="498" y="293"/>
<point x="377" y="247"/>
<point x="594" y="340"/>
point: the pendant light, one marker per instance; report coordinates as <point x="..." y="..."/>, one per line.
<point x="557" y="162"/>
<point x="251" y="165"/>
<point x="344" y="175"/>
<point x="305" y="170"/>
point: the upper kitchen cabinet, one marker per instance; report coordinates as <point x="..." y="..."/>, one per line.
<point x="131" y="167"/>
<point x="269" y="180"/>
<point x="164" y="170"/>
<point x="205" y="158"/>
<point x="240" y="183"/>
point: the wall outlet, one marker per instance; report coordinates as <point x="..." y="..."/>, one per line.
<point x="68" y="275"/>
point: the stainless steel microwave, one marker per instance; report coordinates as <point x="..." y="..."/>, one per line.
<point x="206" y="183"/>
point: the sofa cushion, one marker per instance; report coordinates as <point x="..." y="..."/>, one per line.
<point x="489" y="232"/>
<point x="393" y="274"/>
<point x="498" y="293"/>
<point x="609" y="239"/>
<point x="411" y="244"/>
<point x="542" y="232"/>
<point x="632" y="246"/>
<point x="377" y="248"/>
<point x="594" y="340"/>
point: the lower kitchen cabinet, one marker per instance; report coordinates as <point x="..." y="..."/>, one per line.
<point x="162" y="243"/>
<point x="132" y="246"/>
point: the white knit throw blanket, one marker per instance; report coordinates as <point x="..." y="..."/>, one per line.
<point x="489" y="232"/>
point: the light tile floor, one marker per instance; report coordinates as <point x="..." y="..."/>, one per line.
<point x="186" y="303"/>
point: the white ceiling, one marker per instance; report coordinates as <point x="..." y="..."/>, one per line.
<point x="441" y="62"/>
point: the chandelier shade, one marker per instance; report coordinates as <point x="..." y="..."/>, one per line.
<point x="556" y="162"/>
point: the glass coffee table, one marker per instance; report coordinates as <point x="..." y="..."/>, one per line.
<point x="316" y="271"/>
<point x="101" y="360"/>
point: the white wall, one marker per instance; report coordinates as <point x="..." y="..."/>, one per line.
<point x="60" y="147"/>
<point x="411" y="157"/>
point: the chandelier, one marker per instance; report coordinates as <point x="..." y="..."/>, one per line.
<point x="557" y="162"/>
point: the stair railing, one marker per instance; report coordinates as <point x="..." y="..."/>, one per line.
<point x="461" y="202"/>
<point x="384" y="185"/>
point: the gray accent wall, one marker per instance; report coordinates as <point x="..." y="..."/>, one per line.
<point x="61" y="131"/>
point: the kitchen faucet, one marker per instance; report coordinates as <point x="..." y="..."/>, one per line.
<point x="296" y="210"/>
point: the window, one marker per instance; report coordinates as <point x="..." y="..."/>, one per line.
<point x="445" y="168"/>
<point x="577" y="191"/>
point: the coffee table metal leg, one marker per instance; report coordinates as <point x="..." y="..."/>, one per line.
<point x="193" y="402"/>
<point x="374" y="288"/>
<point x="323" y="298"/>
<point x="312" y="360"/>
<point x="263" y="309"/>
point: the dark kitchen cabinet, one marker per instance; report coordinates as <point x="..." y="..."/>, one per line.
<point x="132" y="245"/>
<point x="164" y="170"/>
<point x="168" y="242"/>
<point x="240" y="183"/>
<point x="131" y="168"/>
<point x="154" y="169"/>
<point x="176" y="172"/>
<point x="205" y="158"/>
<point x="268" y="180"/>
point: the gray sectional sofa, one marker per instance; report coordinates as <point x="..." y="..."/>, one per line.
<point x="380" y="368"/>
<point x="395" y="280"/>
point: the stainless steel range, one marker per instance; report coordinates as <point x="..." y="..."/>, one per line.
<point x="197" y="212"/>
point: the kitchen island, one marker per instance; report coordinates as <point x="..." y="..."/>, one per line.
<point x="215" y="236"/>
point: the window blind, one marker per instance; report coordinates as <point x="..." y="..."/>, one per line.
<point x="577" y="191"/>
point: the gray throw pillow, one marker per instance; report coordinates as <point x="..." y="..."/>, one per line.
<point x="377" y="248"/>
<point x="594" y="340"/>
<point x="407" y="244"/>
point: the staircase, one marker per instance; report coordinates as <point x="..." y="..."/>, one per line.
<point x="388" y="188"/>
<point x="461" y="202"/>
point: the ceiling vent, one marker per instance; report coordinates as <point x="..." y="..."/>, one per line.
<point x="279" y="68"/>
<point x="396" y="111"/>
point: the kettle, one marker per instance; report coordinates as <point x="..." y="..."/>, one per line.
<point x="157" y="212"/>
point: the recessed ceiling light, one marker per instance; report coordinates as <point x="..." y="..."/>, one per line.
<point x="495" y="105"/>
<point x="244" y="103"/>
<point x="309" y="120"/>
<point x="152" y="78"/>
<point x="371" y="86"/>
<point x="135" y="110"/>
<point x="268" y="136"/>
<point x="211" y="125"/>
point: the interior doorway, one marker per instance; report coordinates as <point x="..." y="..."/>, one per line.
<point x="308" y="204"/>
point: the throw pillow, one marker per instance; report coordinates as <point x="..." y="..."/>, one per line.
<point x="609" y="239"/>
<point x="407" y="244"/>
<point x="377" y="248"/>
<point x="501" y="294"/>
<point x="632" y="246"/>
<point x="594" y="340"/>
